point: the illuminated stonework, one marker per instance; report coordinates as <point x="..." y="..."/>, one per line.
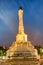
<point x="21" y="36"/>
<point x="21" y="47"/>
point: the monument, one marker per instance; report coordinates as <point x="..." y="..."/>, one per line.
<point x="21" y="48"/>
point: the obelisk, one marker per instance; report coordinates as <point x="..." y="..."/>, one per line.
<point x="21" y="27"/>
<point x="21" y="36"/>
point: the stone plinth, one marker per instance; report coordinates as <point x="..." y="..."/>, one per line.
<point x="23" y="61"/>
<point x="22" y="49"/>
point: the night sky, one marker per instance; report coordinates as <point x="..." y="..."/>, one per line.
<point x="33" y="20"/>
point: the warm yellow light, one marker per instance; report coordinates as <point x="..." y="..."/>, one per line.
<point x="21" y="36"/>
<point x="42" y="50"/>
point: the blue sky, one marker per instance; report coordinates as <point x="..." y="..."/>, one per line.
<point x="33" y="20"/>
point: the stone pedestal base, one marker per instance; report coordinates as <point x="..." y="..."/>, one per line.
<point x="24" y="61"/>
